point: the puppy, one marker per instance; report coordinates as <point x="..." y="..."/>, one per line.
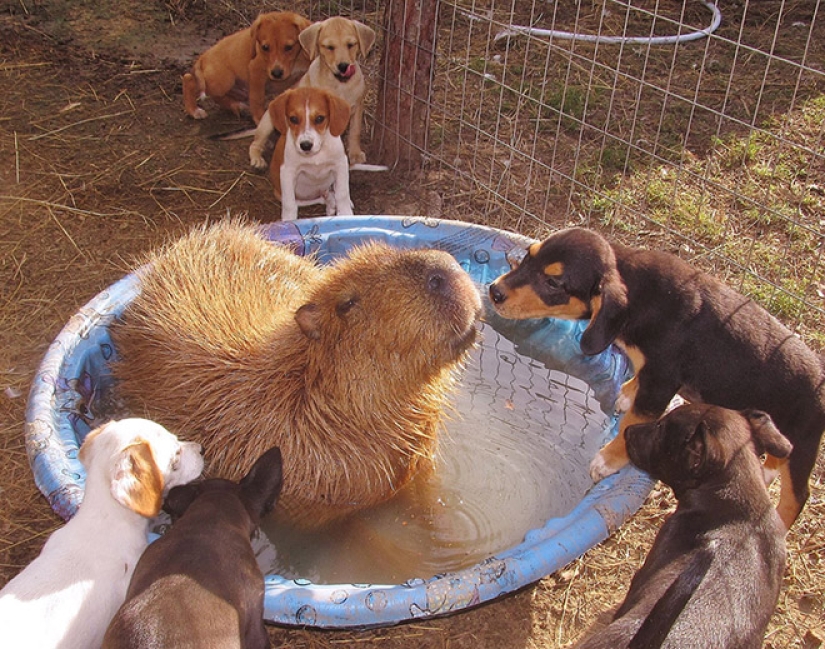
<point x="67" y="596"/>
<point x="684" y="332"/>
<point x="199" y="585"/>
<point x="238" y="66"/>
<point x="334" y="47"/>
<point x="713" y="575"/>
<point x="309" y="164"/>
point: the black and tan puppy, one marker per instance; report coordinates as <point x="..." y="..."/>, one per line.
<point x="713" y="575"/>
<point x="199" y="586"/>
<point x="684" y="332"/>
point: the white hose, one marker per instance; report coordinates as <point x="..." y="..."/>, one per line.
<point x="516" y="30"/>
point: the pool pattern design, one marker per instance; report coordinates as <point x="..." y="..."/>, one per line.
<point x="64" y="399"/>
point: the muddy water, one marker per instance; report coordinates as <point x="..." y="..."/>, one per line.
<point x="514" y="455"/>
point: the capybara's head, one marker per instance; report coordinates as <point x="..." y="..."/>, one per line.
<point x="699" y="444"/>
<point x="415" y="305"/>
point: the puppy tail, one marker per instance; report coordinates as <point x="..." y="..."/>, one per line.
<point x="238" y="134"/>
<point x="663" y="615"/>
<point x="362" y="166"/>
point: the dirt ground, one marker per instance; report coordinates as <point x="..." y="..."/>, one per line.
<point x="98" y="163"/>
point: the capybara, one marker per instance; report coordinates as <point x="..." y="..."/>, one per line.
<point x="242" y="345"/>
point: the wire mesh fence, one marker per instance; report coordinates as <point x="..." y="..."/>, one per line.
<point x="689" y="126"/>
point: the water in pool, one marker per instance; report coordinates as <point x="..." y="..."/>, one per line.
<point x="515" y="454"/>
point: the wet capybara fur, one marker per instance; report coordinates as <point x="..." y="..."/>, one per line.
<point x="238" y="343"/>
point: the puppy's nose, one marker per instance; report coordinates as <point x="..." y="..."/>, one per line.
<point x="277" y="73"/>
<point x="343" y="67"/>
<point x="496" y="294"/>
<point x="306" y="145"/>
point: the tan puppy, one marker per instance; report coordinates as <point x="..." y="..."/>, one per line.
<point x="309" y="165"/>
<point x="238" y="66"/>
<point x="334" y="46"/>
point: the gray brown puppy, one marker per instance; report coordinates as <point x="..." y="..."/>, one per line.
<point x="199" y="585"/>
<point x="713" y="575"/>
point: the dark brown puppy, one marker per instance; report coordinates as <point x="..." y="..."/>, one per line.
<point x="713" y="575"/>
<point x="199" y="586"/>
<point x="684" y="332"/>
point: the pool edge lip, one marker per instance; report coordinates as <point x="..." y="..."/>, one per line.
<point x="52" y="444"/>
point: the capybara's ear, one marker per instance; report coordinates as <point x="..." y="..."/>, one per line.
<point x="609" y="315"/>
<point x="766" y="435"/>
<point x="179" y="498"/>
<point x="308" y="318"/>
<point x="309" y="39"/>
<point x="136" y="480"/>
<point x="338" y="114"/>
<point x="253" y="33"/>
<point x="366" y="37"/>
<point x="261" y="486"/>
<point x="277" y="112"/>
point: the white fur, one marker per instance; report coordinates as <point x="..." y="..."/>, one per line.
<point x="67" y="596"/>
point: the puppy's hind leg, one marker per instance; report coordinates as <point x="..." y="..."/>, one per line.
<point x="192" y="92"/>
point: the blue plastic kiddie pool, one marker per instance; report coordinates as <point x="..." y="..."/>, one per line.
<point x="64" y="401"/>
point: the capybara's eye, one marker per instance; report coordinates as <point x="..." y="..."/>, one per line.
<point x="435" y="282"/>
<point x="346" y="306"/>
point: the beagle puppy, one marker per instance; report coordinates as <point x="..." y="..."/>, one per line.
<point x="67" y="596"/>
<point x="239" y="66"/>
<point x="309" y="165"/>
<point x="334" y="46"/>
<point x="684" y="332"/>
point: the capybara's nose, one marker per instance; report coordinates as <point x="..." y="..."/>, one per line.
<point x="496" y="294"/>
<point x="276" y="73"/>
<point x="306" y="145"/>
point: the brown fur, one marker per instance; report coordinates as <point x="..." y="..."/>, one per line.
<point x="240" y="65"/>
<point x="242" y="345"/>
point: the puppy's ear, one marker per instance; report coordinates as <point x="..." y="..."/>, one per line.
<point x="766" y="435"/>
<point x="253" y="33"/>
<point x="366" y="37"/>
<point x="136" y="480"/>
<point x="179" y="498"/>
<point x="609" y="312"/>
<point x="277" y="112"/>
<point x="300" y="23"/>
<point x="262" y="485"/>
<point x="309" y="39"/>
<point x="338" y="114"/>
<point x="308" y="318"/>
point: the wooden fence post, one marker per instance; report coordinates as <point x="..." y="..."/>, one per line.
<point x="407" y="62"/>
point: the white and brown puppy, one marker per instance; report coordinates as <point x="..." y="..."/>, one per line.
<point x="334" y="46"/>
<point x="309" y="165"/>
<point x="67" y="596"/>
<point x="239" y="66"/>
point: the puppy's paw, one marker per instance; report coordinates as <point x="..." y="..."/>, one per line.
<point x="623" y="403"/>
<point x="257" y="161"/>
<point x="199" y="113"/>
<point x="357" y="157"/>
<point x="600" y="468"/>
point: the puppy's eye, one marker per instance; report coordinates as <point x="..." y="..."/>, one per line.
<point x="265" y="47"/>
<point x="331" y="48"/>
<point x="288" y="48"/>
<point x="319" y="119"/>
<point x="350" y="45"/>
<point x="293" y="119"/>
